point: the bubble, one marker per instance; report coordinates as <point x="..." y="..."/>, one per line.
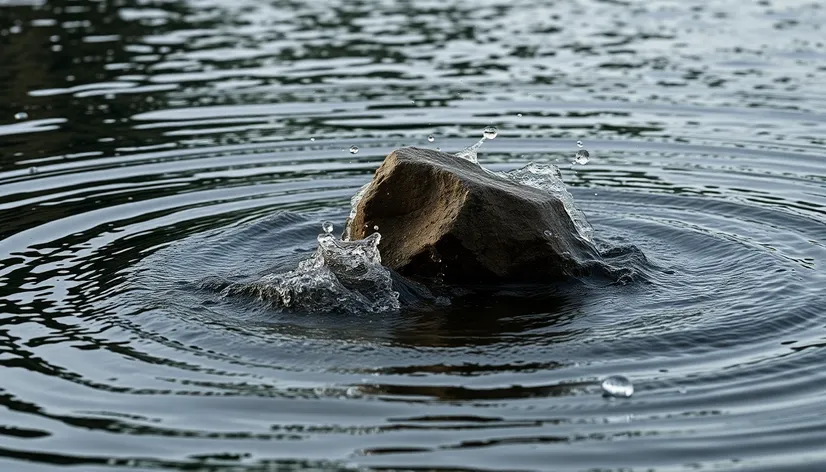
<point x="327" y="227"/>
<point x="431" y="138"/>
<point x="582" y="157"/>
<point x="491" y="132"/>
<point x="617" y="386"/>
<point x="21" y="115"/>
<point x="579" y="143"/>
<point x="375" y="227"/>
<point x="354" y="149"/>
<point x="548" y="234"/>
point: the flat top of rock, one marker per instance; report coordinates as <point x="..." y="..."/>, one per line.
<point x="464" y="170"/>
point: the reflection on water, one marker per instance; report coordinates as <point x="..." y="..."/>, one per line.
<point x="147" y="145"/>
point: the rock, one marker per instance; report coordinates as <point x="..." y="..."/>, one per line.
<point x="446" y="217"/>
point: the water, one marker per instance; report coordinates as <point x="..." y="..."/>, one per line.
<point x="174" y="156"/>
<point x="547" y="177"/>
<point x="582" y="157"/>
<point x="342" y="277"/>
<point x="490" y="132"/>
<point x="617" y="386"/>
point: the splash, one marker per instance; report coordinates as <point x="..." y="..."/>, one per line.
<point x="470" y="153"/>
<point x="341" y="276"/>
<point x="354" y="203"/>
<point x="548" y="178"/>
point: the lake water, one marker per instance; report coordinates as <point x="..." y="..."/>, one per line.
<point x="145" y="145"/>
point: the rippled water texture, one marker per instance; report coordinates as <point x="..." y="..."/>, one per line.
<point x="161" y="142"/>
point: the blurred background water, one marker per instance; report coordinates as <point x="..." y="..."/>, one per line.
<point x="145" y="144"/>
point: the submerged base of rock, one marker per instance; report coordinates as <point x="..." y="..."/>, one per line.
<point x="445" y="217"/>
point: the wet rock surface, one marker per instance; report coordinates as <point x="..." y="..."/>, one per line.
<point x="444" y="217"/>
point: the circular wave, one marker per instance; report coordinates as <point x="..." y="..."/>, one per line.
<point x="727" y="312"/>
<point x="144" y="147"/>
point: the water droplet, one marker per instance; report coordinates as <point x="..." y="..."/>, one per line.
<point x="312" y="139"/>
<point x="579" y="143"/>
<point x="16" y="29"/>
<point x="375" y="227"/>
<point x="582" y="157"/>
<point x="519" y="115"/>
<point x="548" y="234"/>
<point x="22" y="115"/>
<point x="491" y="132"/>
<point x="439" y="149"/>
<point x="327" y="227"/>
<point x="431" y="138"/>
<point x="617" y="386"/>
<point x="33" y="170"/>
<point x="354" y="149"/>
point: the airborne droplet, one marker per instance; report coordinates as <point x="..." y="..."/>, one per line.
<point x="354" y="149"/>
<point x="431" y="138"/>
<point x="579" y="143"/>
<point x="22" y="115"/>
<point x="327" y="227"/>
<point x="491" y="132"/>
<point x="617" y="386"/>
<point x="582" y="157"/>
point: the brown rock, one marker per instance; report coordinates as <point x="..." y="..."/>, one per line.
<point x="443" y="216"/>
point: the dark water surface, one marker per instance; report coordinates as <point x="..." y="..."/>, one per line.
<point x="165" y="141"/>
